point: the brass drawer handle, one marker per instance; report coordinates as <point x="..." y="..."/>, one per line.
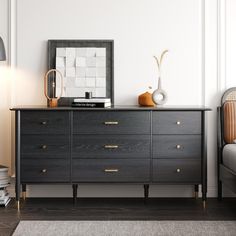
<point x="178" y="170"/>
<point x="178" y="146"/>
<point x="111" y="122"/>
<point x="44" y="170"/>
<point x="44" y="122"/>
<point x="111" y="170"/>
<point x="44" y="147"/>
<point x="111" y="146"/>
<point x="178" y="122"/>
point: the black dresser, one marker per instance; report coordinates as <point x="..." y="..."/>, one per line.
<point x="122" y="144"/>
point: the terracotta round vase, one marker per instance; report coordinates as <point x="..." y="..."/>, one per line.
<point x="145" y="99"/>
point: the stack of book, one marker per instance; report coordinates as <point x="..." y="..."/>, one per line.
<point x="4" y="182"/>
<point x="91" y="103"/>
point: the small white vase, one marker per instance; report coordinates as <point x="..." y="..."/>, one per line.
<point x="159" y="96"/>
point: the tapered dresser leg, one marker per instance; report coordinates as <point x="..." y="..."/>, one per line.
<point x="24" y="191"/>
<point x="146" y="191"/>
<point x="219" y="190"/>
<point x="196" y="189"/>
<point x="75" y="188"/>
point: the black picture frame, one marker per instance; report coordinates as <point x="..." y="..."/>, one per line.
<point x="108" y="44"/>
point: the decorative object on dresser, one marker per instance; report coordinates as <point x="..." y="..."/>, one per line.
<point x="121" y="144"/>
<point x="93" y="102"/>
<point x="145" y="99"/>
<point x="226" y="141"/>
<point x="159" y="96"/>
<point x="4" y="182"/>
<point x="86" y="65"/>
<point x="49" y="79"/>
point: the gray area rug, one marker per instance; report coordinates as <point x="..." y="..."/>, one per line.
<point x="116" y="228"/>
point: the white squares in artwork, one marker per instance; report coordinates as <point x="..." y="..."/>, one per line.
<point x="83" y="70"/>
<point x="61" y="70"/>
<point x="100" y="82"/>
<point x="70" y="52"/>
<point x="80" y="72"/>
<point x="91" y="61"/>
<point x="70" y="72"/>
<point x="80" y="61"/>
<point x="100" y="61"/>
<point x="91" y="52"/>
<point x="101" y="52"/>
<point x="91" y="82"/>
<point x="70" y="82"/>
<point x="81" y="52"/>
<point x="91" y="72"/>
<point x="70" y="62"/>
<point x="61" y="52"/>
<point x="100" y="72"/>
<point x="100" y="92"/>
<point x="80" y="82"/>
<point x="60" y="61"/>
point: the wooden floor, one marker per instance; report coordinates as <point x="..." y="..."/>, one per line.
<point x="115" y="209"/>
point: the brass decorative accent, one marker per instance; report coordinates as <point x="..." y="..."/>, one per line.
<point x="178" y="122"/>
<point x="178" y="146"/>
<point x="111" y="122"/>
<point x="24" y="195"/>
<point x="18" y="205"/>
<point x="52" y="102"/>
<point x="111" y="146"/>
<point x="44" y="170"/>
<point x="204" y="204"/>
<point x="44" y="122"/>
<point x="111" y="170"/>
<point x="178" y="170"/>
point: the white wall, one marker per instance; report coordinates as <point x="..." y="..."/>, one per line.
<point x="140" y="30"/>
<point x="230" y="43"/>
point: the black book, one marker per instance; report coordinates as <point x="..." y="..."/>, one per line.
<point x="91" y="104"/>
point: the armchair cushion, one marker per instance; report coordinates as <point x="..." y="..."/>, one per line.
<point x="229" y="121"/>
<point x="229" y="156"/>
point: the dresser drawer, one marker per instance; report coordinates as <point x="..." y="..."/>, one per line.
<point x="170" y="122"/>
<point x="177" y="146"/>
<point x="103" y="170"/>
<point x="111" y="146"/>
<point x="111" y="122"/>
<point x="45" y="171"/>
<point x="177" y="171"/>
<point x="44" y="122"/>
<point x="40" y="146"/>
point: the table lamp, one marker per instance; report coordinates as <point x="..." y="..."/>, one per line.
<point x="2" y="51"/>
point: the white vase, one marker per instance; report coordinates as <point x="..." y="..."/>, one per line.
<point x="159" y="96"/>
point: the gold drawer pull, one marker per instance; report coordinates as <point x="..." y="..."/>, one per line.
<point x="44" y="170"/>
<point x="178" y="122"/>
<point x="178" y="170"/>
<point x="111" y="122"/>
<point x="178" y="146"/>
<point x="111" y="146"/>
<point x="44" y="147"/>
<point x="111" y="170"/>
<point x="44" y="122"/>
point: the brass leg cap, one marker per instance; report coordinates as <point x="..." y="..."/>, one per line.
<point x="204" y="205"/>
<point x="24" y="195"/>
<point x="18" y="205"/>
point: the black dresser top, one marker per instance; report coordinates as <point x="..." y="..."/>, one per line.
<point x="116" y="107"/>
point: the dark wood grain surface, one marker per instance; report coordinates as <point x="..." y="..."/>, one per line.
<point x="94" y="170"/>
<point x="129" y="122"/>
<point x="177" y="170"/>
<point x="126" y="146"/>
<point x="177" y="146"/>
<point x="170" y="122"/>
<point x="115" y="209"/>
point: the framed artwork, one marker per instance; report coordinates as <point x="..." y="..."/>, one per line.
<point x="86" y="66"/>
